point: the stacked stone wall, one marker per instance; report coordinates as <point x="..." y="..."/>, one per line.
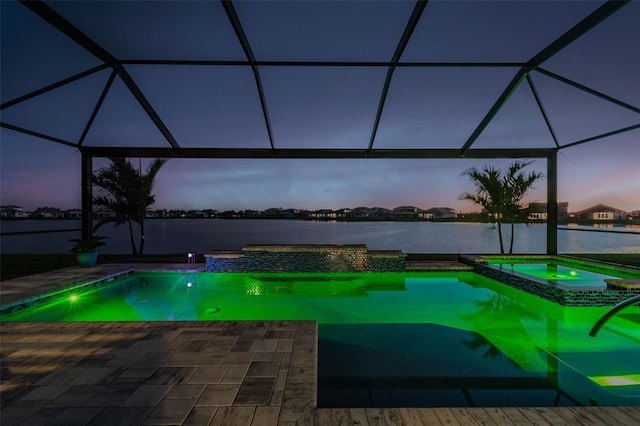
<point x="330" y="258"/>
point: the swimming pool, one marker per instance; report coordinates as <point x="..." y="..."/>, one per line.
<point x="398" y="339"/>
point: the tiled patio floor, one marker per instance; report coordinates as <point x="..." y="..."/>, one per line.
<point x="194" y="373"/>
<point x="168" y="373"/>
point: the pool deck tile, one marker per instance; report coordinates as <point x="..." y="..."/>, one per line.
<point x="36" y="388"/>
<point x="197" y="373"/>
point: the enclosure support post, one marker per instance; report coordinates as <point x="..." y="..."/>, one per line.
<point x="87" y="195"/>
<point x="552" y="202"/>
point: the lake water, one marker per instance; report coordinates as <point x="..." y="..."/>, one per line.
<point x="204" y="235"/>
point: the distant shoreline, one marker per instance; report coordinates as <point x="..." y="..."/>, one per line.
<point x="470" y="218"/>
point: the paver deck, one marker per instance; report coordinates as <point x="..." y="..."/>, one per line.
<point x="197" y="373"/>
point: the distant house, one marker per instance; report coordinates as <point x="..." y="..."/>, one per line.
<point x="272" y="212"/>
<point x="72" y="214"/>
<point x="370" y="213"/>
<point x="289" y="214"/>
<point x="195" y="214"/>
<point x="380" y="213"/>
<point x="229" y="214"/>
<point x="406" y="212"/>
<point x="48" y="213"/>
<point x="601" y="212"/>
<point x="293" y="211"/>
<point x="13" y="212"/>
<point x="439" y="213"/>
<point x="104" y="214"/>
<point x="538" y="211"/>
<point x="342" y="213"/>
<point x="323" y="214"/>
<point x="358" y="213"/>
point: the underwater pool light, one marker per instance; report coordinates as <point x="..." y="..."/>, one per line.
<point x="73" y="298"/>
<point x="624" y="380"/>
<point x="191" y="282"/>
<point x="573" y="273"/>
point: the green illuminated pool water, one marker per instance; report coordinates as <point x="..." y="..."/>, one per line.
<point x="399" y="339"/>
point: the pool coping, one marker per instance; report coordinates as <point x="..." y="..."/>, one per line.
<point x="37" y="342"/>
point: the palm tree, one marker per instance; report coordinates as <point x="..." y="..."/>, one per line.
<point x="126" y="191"/>
<point x="517" y="183"/>
<point x="489" y="194"/>
<point x="502" y="195"/>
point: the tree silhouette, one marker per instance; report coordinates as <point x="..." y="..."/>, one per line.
<point x="502" y="194"/>
<point x="126" y="191"/>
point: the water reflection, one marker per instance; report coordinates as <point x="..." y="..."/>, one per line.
<point x="498" y="319"/>
<point x="319" y="285"/>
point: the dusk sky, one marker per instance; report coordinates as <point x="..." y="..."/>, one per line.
<point x="320" y="107"/>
